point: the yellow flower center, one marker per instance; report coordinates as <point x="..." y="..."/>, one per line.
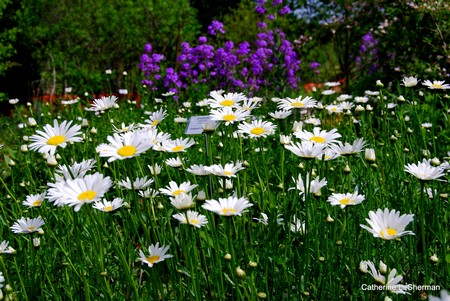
<point x="317" y="139"/>
<point x="155" y="122"/>
<point x="345" y="201"/>
<point x="193" y="222"/>
<point x="177" y="192"/>
<point x="298" y="104"/>
<point x="178" y="148"/>
<point x="228" y="211"/>
<point x="55" y="140"/>
<point x="228" y="173"/>
<point x="37" y="203"/>
<point x="126" y="151"/>
<point x="31" y="229"/>
<point x="229" y="117"/>
<point x="333" y="109"/>
<point x="108" y="208"/>
<point x="227" y="103"/>
<point x="388" y="231"/>
<point x="87" y="195"/>
<point x="257" y="131"/>
<point x="437" y="86"/>
<point x="153" y="259"/>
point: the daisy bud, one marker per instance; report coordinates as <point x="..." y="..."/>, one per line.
<point x="393" y="138"/>
<point x="329" y="219"/>
<point x="106" y="165"/>
<point x="379" y="83"/>
<point x="387" y="298"/>
<point x="363" y="266"/>
<point x="443" y="195"/>
<point x="401" y="98"/>
<point x="245" y="163"/>
<point x="426" y="153"/>
<point x="40" y="231"/>
<point x="93" y="131"/>
<point x="160" y="206"/>
<point x="209" y="127"/>
<point x="84" y="122"/>
<point x="369" y="108"/>
<point x="406" y="150"/>
<point x="24" y="148"/>
<point x="339" y="242"/>
<point x="25" y="138"/>
<point x="369" y="155"/>
<point x="262" y="295"/>
<point x="108" y="71"/>
<point x="407" y="118"/>
<point x="420" y="93"/>
<point x="382" y="267"/>
<point x="36" y="242"/>
<point x="227" y="256"/>
<point x="252" y="264"/>
<point x="28" y="104"/>
<point x="374" y="166"/>
<point x="347" y="169"/>
<point x="104" y="274"/>
<point x="58" y="157"/>
<point x="11" y="162"/>
<point x="240" y="272"/>
<point x="285" y="139"/>
<point x="32" y="121"/>
<point x="297" y="127"/>
<point x="301" y="166"/>
<point x="435" y="161"/>
<point x="359" y="108"/>
<point x="201" y="196"/>
<point x="434" y="258"/>
<point x="8" y="288"/>
<point x="321" y="259"/>
<point x="409" y="130"/>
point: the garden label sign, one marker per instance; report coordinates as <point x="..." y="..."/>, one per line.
<point x="195" y="124"/>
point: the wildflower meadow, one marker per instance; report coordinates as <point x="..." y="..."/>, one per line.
<point x="222" y="175"/>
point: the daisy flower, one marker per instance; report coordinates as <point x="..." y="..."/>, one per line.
<point x="139" y="183"/>
<point x="436" y="85"/>
<point x="344" y="97"/>
<point x="314" y="186"/>
<point x="148" y="193"/>
<point x="192" y="218"/>
<point x="410" y="81"/>
<point x="103" y="103"/>
<point x="361" y="99"/>
<point x="424" y="170"/>
<point x="336" y="109"/>
<point x="306" y="149"/>
<point x="156" y="254"/>
<point x="265" y="219"/>
<point x="313" y="121"/>
<point x="123" y="146"/>
<point x="182" y="201"/>
<point x="174" y="162"/>
<point x="34" y="200"/>
<point x="174" y="189"/>
<point x="249" y="104"/>
<point x="198" y="170"/>
<point x="80" y="191"/>
<point x="296" y="103"/>
<point x="328" y="92"/>
<point x="229" y="170"/>
<point x="298" y="226"/>
<point x="388" y="224"/>
<point x="282" y="114"/>
<point x="228" y="100"/>
<point x="13" y="101"/>
<point x="257" y="128"/>
<point x="108" y="206"/>
<point x="5" y="248"/>
<point x="53" y="136"/>
<point x="27" y="225"/>
<point x="76" y="170"/>
<point x="177" y="145"/>
<point x="155" y="118"/>
<point x="332" y="84"/>
<point x="124" y="128"/>
<point x="155" y="169"/>
<point x="347" y="148"/>
<point x="392" y="283"/>
<point x="230" y="206"/>
<point x="318" y="136"/>
<point x="229" y="115"/>
<point x="345" y="199"/>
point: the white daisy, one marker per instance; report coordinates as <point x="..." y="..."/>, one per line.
<point x="155" y="118"/>
<point x="265" y="219"/>
<point x="182" y="201"/>
<point x="445" y="296"/>
<point x="177" y="145"/>
<point x="198" y="170"/>
<point x="314" y="186"/>
<point x="229" y="115"/>
<point x="313" y="121"/>
<point x="336" y="109"/>
<point x="108" y="206"/>
<point x="345" y="199"/>
<point x="306" y="149"/>
<point x="257" y="128"/>
<point x="76" y="170"/>
<point x="148" y="193"/>
<point x="344" y="97"/>
<point x="361" y="99"/>
<point x="27" y="225"/>
<point x="156" y="254"/>
<point x="5" y="248"/>
<point x="174" y="189"/>
<point x="229" y="170"/>
<point x="53" y="136"/>
<point x="103" y="103"/>
<point x="436" y="85"/>
<point x="124" y="128"/>
<point x="155" y="169"/>
<point x="34" y="200"/>
<point x="139" y="183"/>
<point x="192" y="218"/>
<point x="296" y="103"/>
<point x="347" y="148"/>
<point x="282" y="114"/>
<point x="174" y="162"/>
<point x="319" y="136"/>
<point x="230" y="206"/>
<point x="410" y="81"/>
<point x="228" y="100"/>
<point x="424" y="170"/>
<point x="80" y="191"/>
<point x="123" y="146"/>
<point x="388" y="224"/>
<point x="297" y="226"/>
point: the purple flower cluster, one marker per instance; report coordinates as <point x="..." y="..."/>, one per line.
<point x="269" y="61"/>
<point x="368" y="53"/>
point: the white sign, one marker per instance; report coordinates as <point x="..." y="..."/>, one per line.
<point x="195" y="124"/>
